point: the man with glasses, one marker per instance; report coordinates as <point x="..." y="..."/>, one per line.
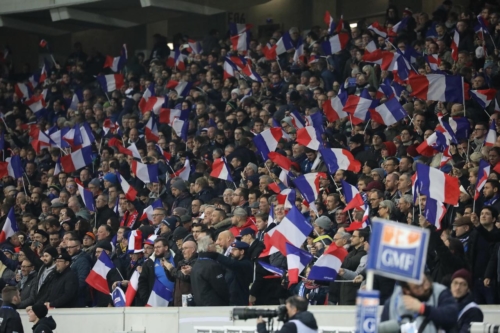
<point x="240" y="199"/>
<point x="26" y="283"/>
<point x="478" y="135"/>
<point x="351" y="262"/>
<point x="81" y="264"/>
<point x="375" y="198"/>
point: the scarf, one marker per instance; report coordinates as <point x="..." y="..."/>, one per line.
<point x="162" y="276"/>
<point x="491" y="201"/>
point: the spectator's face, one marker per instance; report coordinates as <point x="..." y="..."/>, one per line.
<point x="263" y="205"/>
<point x="459" y="288"/>
<point x="54" y="240"/>
<point x="478" y="82"/>
<point x="374" y="200"/>
<point x="148" y="250"/>
<point x="493" y="157"/>
<point x="261" y="224"/>
<point x="236" y="197"/>
<point x="331" y="203"/>
<point x="486" y="218"/>
<point x="102" y="233"/>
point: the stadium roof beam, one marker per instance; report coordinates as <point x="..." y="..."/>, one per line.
<point x="8" y="22"/>
<point x="182" y="6"/>
<point x="66" y="13"/>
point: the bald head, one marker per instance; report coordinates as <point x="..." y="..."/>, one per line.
<point x="188" y="249"/>
<point x="225" y="239"/>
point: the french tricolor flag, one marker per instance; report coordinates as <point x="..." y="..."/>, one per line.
<point x="299" y="55"/>
<point x="15" y="167"/>
<point x="241" y="42"/>
<point x="118" y="297"/>
<point x="195" y="47"/>
<point x="308" y="137"/>
<point x="270" y="268"/>
<point x="491" y="137"/>
<point x="22" y="90"/>
<point x="181" y="128"/>
<point x="248" y="71"/>
<point x="483" y="97"/>
<point x="297" y="260"/>
<point x="352" y="197"/>
<point x="334" y="108"/>
<point x="86" y="196"/>
<point x="177" y="59"/>
<point x="308" y="185"/>
<point x="147" y="213"/>
<point x="160" y="295"/>
<point x="57" y="167"/>
<point x="221" y="170"/>
<point x="238" y="28"/>
<point x="282" y="161"/>
<point x="438" y="87"/>
<point x="130" y="192"/>
<point x="147" y="173"/>
<point x="434" y="212"/>
<point x="385" y="90"/>
<point x="388" y="113"/>
<point x="335" y="43"/>
<point x="315" y="120"/>
<point x="36" y="103"/>
<point x="332" y="26"/>
<point x="287" y="198"/>
<point x="135" y="241"/>
<point x="229" y="69"/>
<point x="181" y="87"/>
<point x="437" y="141"/>
<point x="77" y="98"/>
<point x="116" y="64"/>
<point x="400" y="25"/>
<point x="457" y="127"/>
<point x="482" y="177"/>
<point x="297" y="120"/>
<point x="77" y="160"/>
<point x="111" y="82"/>
<point x="151" y="129"/>
<point x="183" y="172"/>
<point x="454" y="45"/>
<point x="358" y="106"/>
<point x="433" y="61"/>
<point x="130" y="150"/>
<point x="365" y="221"/>
<point x="149" y="101"/>
<point x="437" y="185"/>
<point x="378" y="29"/>
<point x="167" y="116"/>
<point x="293" y="229"/>
<point x="10" y="226"/>
<point x="328" y="265"/>
<point x="57" y="137"/>
<point x="97" y="276"/>
<point x="132" y="287"/>
<point x="385" y="59"/>
<point x="267" y="141"/>
<point x="285" y="44"/>
<point x="339" y="159"/>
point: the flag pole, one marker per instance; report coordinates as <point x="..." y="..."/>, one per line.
<point x="368" y="123"/>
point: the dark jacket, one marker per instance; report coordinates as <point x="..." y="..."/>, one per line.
<point x="11" y="320"/>
<point x="183" y="200"/>
<point x="306" y="318"/>
<point x="446" y="262"/>
<point x="348" y="291"/>
<point x="27" y="293"/>
<point x="103" y="215"/>
<point x="45" y="325"/>
<point x="114" y="275"/>
<point x="255" y="250"/>
<point x="147" y="279"/>
<point x="81" y="264"/>
<point x="206" y="194"/>
<point x="239" y="276"/>
<point x="64" y="290"/>
<point x="182" y="282"/>
<point x="41" y="294"/>
<point x="470" y="315"/>
<point x="207" y="281"/>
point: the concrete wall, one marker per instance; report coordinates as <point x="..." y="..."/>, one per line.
<point x="184" y="320"/>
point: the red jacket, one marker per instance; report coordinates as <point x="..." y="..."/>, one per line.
<point x="250" y="223"/>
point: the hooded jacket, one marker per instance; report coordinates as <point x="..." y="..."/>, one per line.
<point x="301" y="322"/>
<point x="11" y="321"/>
<point x="44" y="325"/>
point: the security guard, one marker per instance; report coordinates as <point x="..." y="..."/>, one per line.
<point x="10" y="321"/>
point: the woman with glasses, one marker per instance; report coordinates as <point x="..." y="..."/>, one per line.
<point x="386" y="209"/>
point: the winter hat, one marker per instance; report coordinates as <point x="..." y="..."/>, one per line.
<point x="464" y="274"/>
<point x="170" y="222"/>
<point x="391" y="148"/>
<point x="287" y="120"/>
<point x="95" y="182"/>
<point x="52" y="251"/>
<point x="324" y="222"/>
<point x="111" y="177"/>
<point x="476" y="157"/>
<point x="380" y="172"/>
<point x="39" y="310"/>
<point x="105" y="245"/>
<point x="306" y="74"/>
<point x="179" y="233"/>
<point x="180" y="185"/>
<point x="381" y="135"/>
<point x="374" y="185"/>
<point x="358" y="138"/>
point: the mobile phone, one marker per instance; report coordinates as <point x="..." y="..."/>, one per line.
<point x="36" y="243"/>
<point x="351" y="82"/>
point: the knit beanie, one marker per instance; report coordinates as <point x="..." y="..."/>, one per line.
<point x="464" y="274"/>
<point x="40" y="310"/>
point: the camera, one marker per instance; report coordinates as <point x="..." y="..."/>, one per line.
<point x="249" y="313"/>
<point x="484" y="328"/>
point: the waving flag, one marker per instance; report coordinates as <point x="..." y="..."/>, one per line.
<point x="437" y="185"/>
<point x="135" y="241"/>
<point x="438" y="87"/>
<point x="10" y="226"/>
<point x="195" y="47"/>
<point x="149" y="101"/>
<point x="482" y="177"/>
<point x="491" y="137"/>
<point x="378" y="29"/>
<point x="454" y="45"/>
<point x="182" y="88"/>
<point x="437" y="141"/>
<point x="434" y="212"/>
<point x="77" y="98"/>
<point x="177" y="59"/>
<point x="86" y="196"/>
<point x="483" y="97"/>
<point x="229" y="69"/>
<point x="183" y="172"/>
<point x="358" y="107"/>
<point x="239" y="28"/>
<point x="400" y="25"/>
<point x="267" y="141"/>
<point x="339" y="159"/>
<point x="147" y="173"/>
<point x="160" y="295"/>
<point x="132" y="287"/>
<point x="385" y="90"/>
<point x="328" y="19"/>
<point x="334" y="108"/>
<point x="77" y="160"/>
<point x="282" y="161"/>
<point x="352" y="197"/>
<point x="167" y="116"/>
<point x="293" y="229"/>
<point x="241" y="42"/>
<point x="287" y="198"/>
<point x="97" y="277"/>
<point x="328" y="265"/>
<point x="297" y="260"/>
<point x="457" y="127"/>
<point x="118" y="297"/>
<point x="284" y="44"/>
<point x="116" y="64"/>
<point x="14" y="167"/>
<point x="36" y="103"/>
<point x="221" y="170"/>
<point x="130" y="150"/>
<point x="270" y="268"/>
<point x="248" y="71"/>
<point x="365" y="221"/>
<point x="388" y="113"/>
<point x="308" y="185"/>
<point x="308" y="137"/>
<point x="130" y="192"/>
<point x="335" y="43"/>
<point x="181" y="128"/>
<point x="110" y="83"/>
<point x="433" y="61"/>
<point x="385" y="59"/>
<point x="22" y="90"/>
<point x="151" y="129"/>
<point x="147" y="213"/>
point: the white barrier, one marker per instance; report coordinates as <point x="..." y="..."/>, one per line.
<point x="184" y="320"/>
